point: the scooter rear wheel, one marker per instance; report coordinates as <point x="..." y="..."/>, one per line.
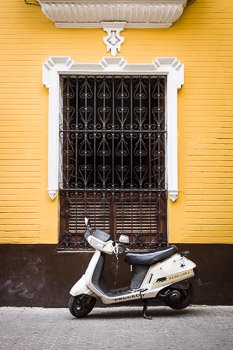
<point x="186" y="298"/>
<point x="81" y="305"/>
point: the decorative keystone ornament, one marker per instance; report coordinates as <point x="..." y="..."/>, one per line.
<point x="113" y="39"/>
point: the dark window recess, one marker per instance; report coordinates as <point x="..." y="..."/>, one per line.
<point x="113" y="136"/>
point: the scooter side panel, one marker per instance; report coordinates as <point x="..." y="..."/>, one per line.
<point x="172" y="270"/>
<point x="160" y="275"/>
<point x="80" y="287"/>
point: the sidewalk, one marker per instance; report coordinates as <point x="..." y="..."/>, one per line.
<point x="197" y="327"/>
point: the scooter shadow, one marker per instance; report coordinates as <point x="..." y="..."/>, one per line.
<point x="136" y="313"/>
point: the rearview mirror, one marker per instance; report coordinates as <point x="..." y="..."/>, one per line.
<point x="124" y="239"/>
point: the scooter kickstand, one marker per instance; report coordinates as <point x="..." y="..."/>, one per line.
<point x="145" y="305"/>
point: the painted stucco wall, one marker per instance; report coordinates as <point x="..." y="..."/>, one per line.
<point x="202" y="39"/>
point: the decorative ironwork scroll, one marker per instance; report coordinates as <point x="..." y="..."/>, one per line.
<point x="113" y="137"/>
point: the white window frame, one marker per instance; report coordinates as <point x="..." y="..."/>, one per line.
<point x="54" y="66"/>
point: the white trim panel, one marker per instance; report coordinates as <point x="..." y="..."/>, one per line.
<point x="169" y="66"/>
<point x="113" y="39"/>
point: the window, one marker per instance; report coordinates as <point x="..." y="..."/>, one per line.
<point x="57" y="71"/>
<point x="113" y="142"/>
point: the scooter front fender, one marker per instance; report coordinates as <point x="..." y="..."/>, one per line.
<point x="81" y="287"/>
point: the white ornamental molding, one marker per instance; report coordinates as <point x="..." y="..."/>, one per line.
<point x="91" y="13"/>
<point x="53" y="67"/>
<point x="173" y="195"/>
<point x="113" y="39"/>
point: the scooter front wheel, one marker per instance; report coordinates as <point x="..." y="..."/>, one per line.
<point x="81" y="305"/>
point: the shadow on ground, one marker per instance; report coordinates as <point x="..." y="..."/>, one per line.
<point x="115" y="313"/>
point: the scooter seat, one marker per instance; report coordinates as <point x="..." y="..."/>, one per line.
<point x="150" y="257"/>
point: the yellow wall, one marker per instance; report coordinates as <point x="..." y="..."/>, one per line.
<point x="202" y="39"/>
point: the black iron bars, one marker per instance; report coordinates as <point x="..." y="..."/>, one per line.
<point x="113" y="142"/>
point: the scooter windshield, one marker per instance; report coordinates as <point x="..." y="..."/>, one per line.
<point x="101" y="235"/>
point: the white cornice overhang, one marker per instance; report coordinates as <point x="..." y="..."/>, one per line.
<point x="92" y="14"/>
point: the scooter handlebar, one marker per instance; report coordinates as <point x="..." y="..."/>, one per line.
<point x="118" y="248"/>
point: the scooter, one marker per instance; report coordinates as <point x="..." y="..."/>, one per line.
<point x="162" y="273"/>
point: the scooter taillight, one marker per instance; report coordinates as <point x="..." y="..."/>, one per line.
<point x="184" y="253"/>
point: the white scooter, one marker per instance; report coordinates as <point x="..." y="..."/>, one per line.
<point x="162" y="273"/>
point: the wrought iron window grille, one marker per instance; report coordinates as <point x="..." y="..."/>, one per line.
<point x="113" y="149"/>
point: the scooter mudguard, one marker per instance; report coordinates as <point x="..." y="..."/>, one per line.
<point x="80" y="287"/>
